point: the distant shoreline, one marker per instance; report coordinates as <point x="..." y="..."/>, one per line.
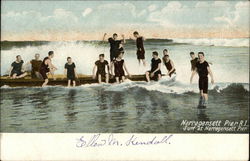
<point x="125" y="39"/>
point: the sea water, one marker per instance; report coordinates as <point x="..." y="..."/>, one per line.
<point x="154" y="107"/>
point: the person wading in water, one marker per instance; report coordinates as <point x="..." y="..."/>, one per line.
<point x="203" y="69"/>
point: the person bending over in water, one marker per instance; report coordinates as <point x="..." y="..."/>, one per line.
<point x="17" y="70"/>
<point x="140" y="48"/>
<point x="47" y="67"/>
<point x="194" y="61"/>
<point x="155" y="72"/>
<point x="102" y="67"/>
<point x="70" y="71"/>
<point x="169" y="65"/>
<point x="35" y="66"/>
<point x="118" y="66"/>
<point x="203" y="69"/>
<point x="114" y="45"/>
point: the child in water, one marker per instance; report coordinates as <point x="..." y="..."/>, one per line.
<point x="70" y="69"/>
<point x="117" y="67"/>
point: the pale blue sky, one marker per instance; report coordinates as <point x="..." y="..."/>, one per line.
<point x="20" y="18"/>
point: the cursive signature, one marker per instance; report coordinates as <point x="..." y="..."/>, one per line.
<point x="99" y="140"/>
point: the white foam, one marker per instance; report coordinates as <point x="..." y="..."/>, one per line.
<point x="242" y="42"/>
<point x="85" y="54"/>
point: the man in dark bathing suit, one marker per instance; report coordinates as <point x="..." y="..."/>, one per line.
<point x="16" y="70"/>
<point x="114" y="45"/>
<point x="155" y="72"/>
<point x="117" y="67"/>
<point x="169" y="64"/>
<point x="102" y="67"/>
<point x="194" y="60"/>
<point x="140" y="48"/>
<point x="70" y="71"/>
<point x="47" y="67"/>
<point x="35" y="66"/>
<point x="203" y="69"/>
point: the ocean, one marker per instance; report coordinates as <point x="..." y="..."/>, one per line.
<point x="130" y="107"/>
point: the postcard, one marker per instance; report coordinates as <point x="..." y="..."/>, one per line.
<point x="124" y="80"/>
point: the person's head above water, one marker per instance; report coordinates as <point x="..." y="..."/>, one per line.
<point x="155" y="54"/>
<point x="166" y="57"/>
<point x="165" y="52"/>
<point x="136" y="34"/>
<point x="201" y="56"/>
<point x="115" y="36"/>
<point x="192" y="55"/>
<point x="51" y="54"/>
<point x="18" y="58"/>
<point x="120" y="55"/>
<point x="37" y="56"/>
<point x="69" y="60"/>
<point x="101" y="57"/>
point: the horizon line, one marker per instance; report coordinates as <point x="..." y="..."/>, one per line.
<point x="131" y="39"/>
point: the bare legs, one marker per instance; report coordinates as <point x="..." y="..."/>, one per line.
<point x="148" y="76"/>
<point x="118" y="80"/>
<point x="159" y="76"/>
<point x="14" y="76"/>
<point x="46" y="81"/>
<point x="69" y="83"/>
<point x="107" y="78"/>
<point x="100" y="78"/>
<point x="203" y="98"/>
<point x="52" y="73"/>
<point x="143" y="61"/>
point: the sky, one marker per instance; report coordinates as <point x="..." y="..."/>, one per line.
<point x="89" y="20"/>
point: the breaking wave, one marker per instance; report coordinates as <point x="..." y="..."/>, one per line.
<point x="243" y="42"/>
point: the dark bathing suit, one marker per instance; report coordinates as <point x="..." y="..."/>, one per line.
<point x="70" y="71"/>
<point x="17" y="68"/>
<point x="140" y="48"/>
<point x="169" y="67"/>
<point x="203" y="72"/>
<point x="154" y="66"/>
<point x="114" y="48"/>
<point x="101" y="67"/>
<point x="44" y="69"/>
<point x="193" y="63"/>
<point x="119" y="72"/>
<point x="35" y="64"/>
